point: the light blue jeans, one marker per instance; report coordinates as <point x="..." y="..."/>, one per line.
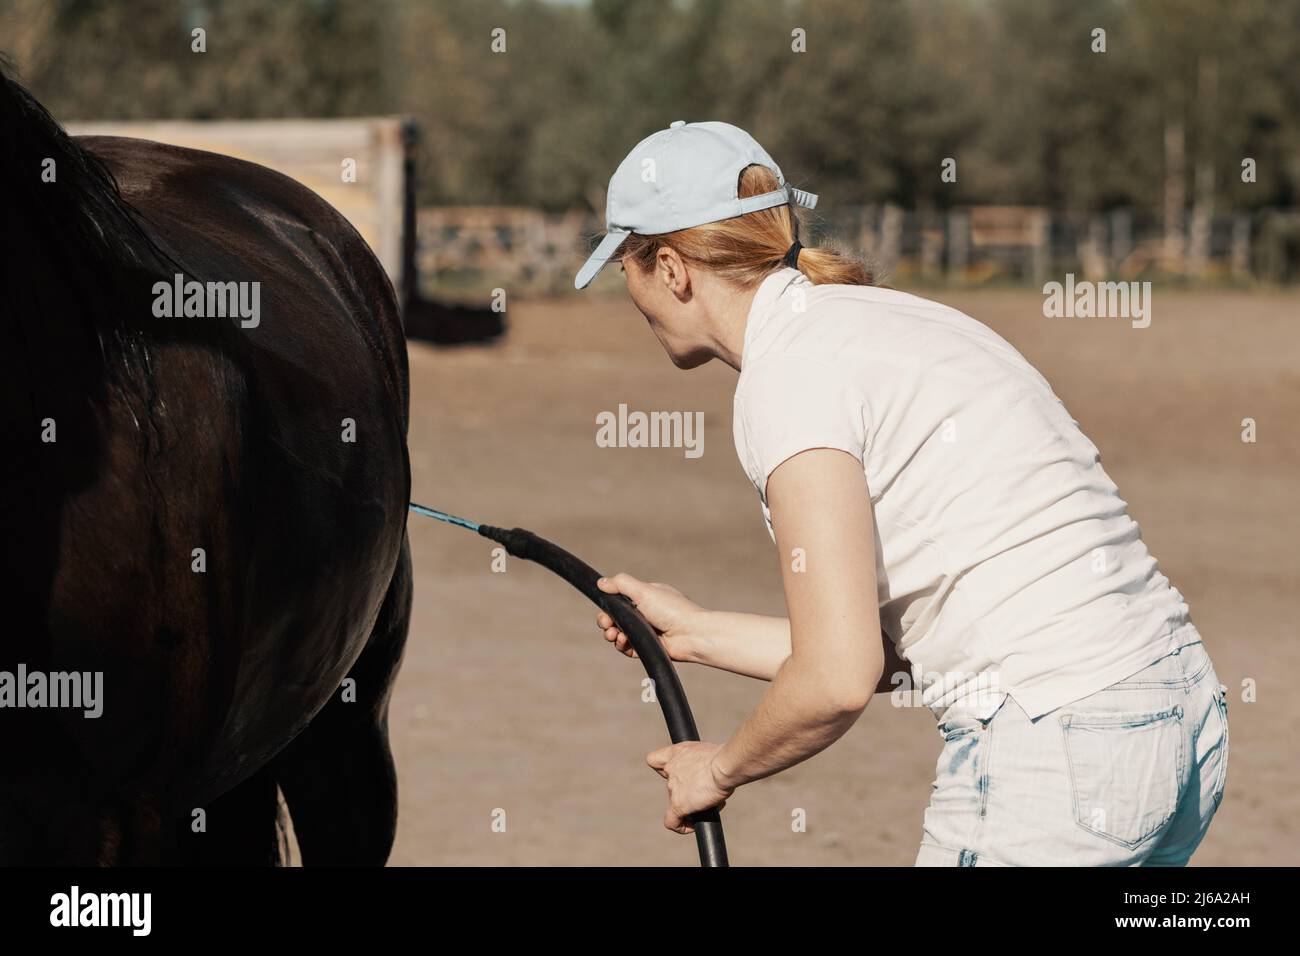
<point x="1128" y="776"/>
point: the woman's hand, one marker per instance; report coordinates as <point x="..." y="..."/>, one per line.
<point x="692" y="785"/>
<point x="672" y="614"/>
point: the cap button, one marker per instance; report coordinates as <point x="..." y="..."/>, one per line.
<point x="676" y="123"/>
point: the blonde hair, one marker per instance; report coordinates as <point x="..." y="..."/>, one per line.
<point x="746" y="249"/>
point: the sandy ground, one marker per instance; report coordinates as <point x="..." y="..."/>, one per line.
<point x="510" y="702"/>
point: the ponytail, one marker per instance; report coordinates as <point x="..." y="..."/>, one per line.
<point x="827" y="266"/>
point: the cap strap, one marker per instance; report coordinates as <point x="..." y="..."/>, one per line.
<point x="778" y="197"/>
<point x="801" y="198"/>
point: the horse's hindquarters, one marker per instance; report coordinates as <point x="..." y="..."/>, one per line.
<point x="215" y="531"/>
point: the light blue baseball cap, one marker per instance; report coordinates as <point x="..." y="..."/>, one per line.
<point x="683" y="176"/>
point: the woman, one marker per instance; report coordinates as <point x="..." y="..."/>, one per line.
<point x="920" y="480"/>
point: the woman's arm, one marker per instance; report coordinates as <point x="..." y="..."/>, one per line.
<point x="825" y="661"/>
<point x="752" y="645"/>
<point x="819" y="503"/>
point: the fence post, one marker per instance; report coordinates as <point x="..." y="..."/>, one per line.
<point x="932" y="238"/>
<point x="1040" y="257"/>
<point x="958" y="245"/>
<point x="1121" y="236"/>
<point x="1175" y="198"/>
<point x="866" y="237"/>
<point x="891" y="237"/>
<point x="1092" y="250"/>
<point x="1198" y="244"/>
<point x="1241" y="246"/>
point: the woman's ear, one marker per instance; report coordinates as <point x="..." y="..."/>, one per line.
<point x="671" y="268"/>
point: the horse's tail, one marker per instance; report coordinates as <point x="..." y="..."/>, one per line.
<point x="63" y="202"/>
<point x="72" y="249"/>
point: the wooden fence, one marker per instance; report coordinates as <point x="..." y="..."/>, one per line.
<point x="515" y="246"/>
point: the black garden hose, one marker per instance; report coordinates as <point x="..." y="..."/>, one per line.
<point x="667" y="686"/>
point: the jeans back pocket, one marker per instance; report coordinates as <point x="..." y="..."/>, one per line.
<point x="1126" y="771"/>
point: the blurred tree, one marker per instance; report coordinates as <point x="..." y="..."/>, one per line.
<point x="106" y="60"/>
<point x="886" y="89"/>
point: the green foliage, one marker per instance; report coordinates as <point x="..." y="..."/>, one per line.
<point x="886" y="90"/>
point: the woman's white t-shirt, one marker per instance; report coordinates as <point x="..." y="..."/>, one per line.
<point x="1006" y="560"/>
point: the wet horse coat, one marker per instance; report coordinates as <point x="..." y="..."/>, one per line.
<point x="198" y="530"/>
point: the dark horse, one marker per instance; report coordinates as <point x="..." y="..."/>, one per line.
<point x="182" y="511"/>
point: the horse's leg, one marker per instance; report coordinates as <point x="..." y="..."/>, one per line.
<point x="338" y="776"/>
<point x="240" y="828"/>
